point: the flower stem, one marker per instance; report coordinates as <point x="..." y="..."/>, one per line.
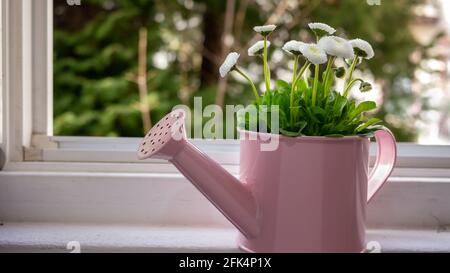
<point x="294" y="80"/>
<point x="294" y="85"/>
<point x="294" y="74"/>
<point x="327" y="81"/>
<point x="302" y="71"/>
<point x="349" y="86"/>
<point x="255" y="92"/>
<point x="266" y="67"/>
<point x="316" y="82"/>
<point x="350" y="74"/>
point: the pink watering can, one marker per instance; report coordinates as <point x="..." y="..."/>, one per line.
<point x="308" y="195"/>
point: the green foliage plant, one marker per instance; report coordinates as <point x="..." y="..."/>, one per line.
<point x="311" y="105"/>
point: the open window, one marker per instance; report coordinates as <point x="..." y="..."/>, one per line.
<point x="32" y="107"/>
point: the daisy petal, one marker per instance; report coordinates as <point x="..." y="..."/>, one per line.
<point x="265" y="30"/>
<point x="228" y="64"/>
<point x="321" y="29"/>
<point x="336" y="46"/>
<point x="293" y="47"/>
<point x="314" y="54"/>
<point x="362" y="48"/>
<point x="257" y="48"/>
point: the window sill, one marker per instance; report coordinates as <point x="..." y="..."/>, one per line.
<point x="168" y="199"/>
<point x="113" y="150"/>
<point x="38" y="237"/>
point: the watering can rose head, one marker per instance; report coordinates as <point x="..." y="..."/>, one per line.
<point x="310" y="104"/>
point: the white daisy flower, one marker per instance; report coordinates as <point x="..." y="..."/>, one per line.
<point x="362" y="48"/>
<point x="228" y="64"/>
<point x="336" y="46"/>
<point x="321" y="29"/>
<point x="257" y="48"/>
<point x="293" y="47"/>
<point x="314" y="54"/>
<point x="265" y="30"/>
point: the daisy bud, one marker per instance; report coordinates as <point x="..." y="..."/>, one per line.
<point x="365" y="87"/>
<point x="228" y="64"/>
<point x="339" y="72"/>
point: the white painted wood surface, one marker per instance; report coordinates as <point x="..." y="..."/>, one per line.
<point x="39" y="237"/>
<point x="14" y="86"/>
<point x="42" y="66"/>
<point x="102" y="149"/>
<point x="169" y="199"/>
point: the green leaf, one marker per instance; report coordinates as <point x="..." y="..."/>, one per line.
<point x="335" y="135"/>
<point x="350" y="106"/>
<point x="370" y="133"/>
<point x="362" y="107"/>
<point x="301" y="125"/>
<point x="282" y="86"/>
<point x="267" y="98"/>
<point x="301" y="86"/>
<point x="283" y="119"/>
<point x="289" y="133"/>
<point x="339" y="105"/>
<point x="368" y="123"/>
<point x="319" y="112"/>
<point x="311" y="115"/>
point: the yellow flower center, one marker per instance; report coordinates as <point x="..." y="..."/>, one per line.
<point x="314" y="50"/>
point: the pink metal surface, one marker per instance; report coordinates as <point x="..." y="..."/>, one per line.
<point x="385" y="161"/>
<point x="309" y="195"/>
<point x="167" y="140"/>
<point x="312" y="191"/>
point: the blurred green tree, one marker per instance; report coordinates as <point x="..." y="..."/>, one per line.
<point x="96" y="65"/>
<point x="96" y="55"/>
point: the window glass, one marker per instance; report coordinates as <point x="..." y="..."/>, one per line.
<point x="120" y="65"/>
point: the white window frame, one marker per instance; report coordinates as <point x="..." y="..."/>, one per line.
<point x="27" y="83"/>
<point x="420" y="182"/>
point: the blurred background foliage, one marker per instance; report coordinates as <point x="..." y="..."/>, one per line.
<point x="96" y="56"/>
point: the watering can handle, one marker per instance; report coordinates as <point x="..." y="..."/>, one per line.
<point x="384" y="163"/>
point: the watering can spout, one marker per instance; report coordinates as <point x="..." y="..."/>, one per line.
<point x="225" y="191"/>
<point x="167" y="140"/>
